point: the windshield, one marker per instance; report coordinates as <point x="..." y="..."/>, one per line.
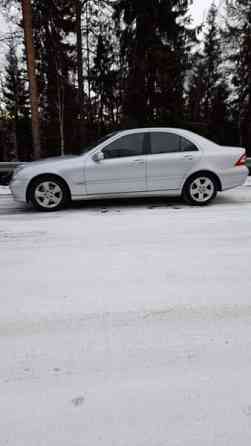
<point x="97" y="142"/>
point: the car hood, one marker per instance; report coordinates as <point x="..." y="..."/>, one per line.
<point x="55" y="159"/>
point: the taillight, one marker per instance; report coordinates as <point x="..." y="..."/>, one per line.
<point x="242" y="160"/>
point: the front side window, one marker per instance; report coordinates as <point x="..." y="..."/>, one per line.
<point x="163" y="142"/>
<point x="128" y="145"/>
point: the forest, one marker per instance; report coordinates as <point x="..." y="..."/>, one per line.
<point x="78" y="69"/>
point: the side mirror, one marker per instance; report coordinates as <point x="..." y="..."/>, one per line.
<point x="97" y="157"/>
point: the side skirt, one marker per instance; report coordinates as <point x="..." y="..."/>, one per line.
<point x="159" y="193"/>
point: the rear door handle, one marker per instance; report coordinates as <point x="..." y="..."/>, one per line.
<point x="188" y="157"/>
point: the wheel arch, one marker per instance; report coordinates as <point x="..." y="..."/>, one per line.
<point x="204" y="172"/>
<point x="44" y="176"/>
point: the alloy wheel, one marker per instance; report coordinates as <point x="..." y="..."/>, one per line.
<point x="48" y="194"/>
<point x="202" y="189"/>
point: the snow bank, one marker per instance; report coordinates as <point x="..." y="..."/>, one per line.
<point x="4" y="190"/>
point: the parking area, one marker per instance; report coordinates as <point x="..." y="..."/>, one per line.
<point x="126" y="323"/>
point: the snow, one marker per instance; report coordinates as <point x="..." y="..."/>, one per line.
<point x="4" y="190"/>
<point x="126" y="323"/>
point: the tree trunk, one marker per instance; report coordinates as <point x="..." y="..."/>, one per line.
<point x="60" y="104"/>
<point x="80" y="68"/>
<point x="87" y="18"/>
<point x="30" y="54"/>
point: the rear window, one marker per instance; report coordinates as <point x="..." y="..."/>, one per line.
<point x="187" y="146"/>
<point x="164" y="142"/>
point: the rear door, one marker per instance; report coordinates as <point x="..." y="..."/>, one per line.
<point x="170" y="159"/>
<point x="123" y="168"/>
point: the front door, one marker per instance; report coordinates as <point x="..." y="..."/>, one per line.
<point x="123" y="169"/>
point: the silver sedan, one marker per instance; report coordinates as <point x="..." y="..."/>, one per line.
<point x="130" y="163"/>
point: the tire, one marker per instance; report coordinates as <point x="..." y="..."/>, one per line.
<point x="48" y="193"/>
<point x="200" y="190"/>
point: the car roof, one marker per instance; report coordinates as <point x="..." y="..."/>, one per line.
<point x="194" y="137"/>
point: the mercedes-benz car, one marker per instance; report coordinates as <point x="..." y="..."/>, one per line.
<point x="130" y="163"/>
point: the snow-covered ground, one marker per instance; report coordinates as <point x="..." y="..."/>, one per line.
<point x="4" y="190"/>
<point x="126" y="323"/>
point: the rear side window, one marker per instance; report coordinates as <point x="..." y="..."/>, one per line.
<point x="187" y="146"/>
<point x="163" y="142"/>
<point x="128" y="145"/>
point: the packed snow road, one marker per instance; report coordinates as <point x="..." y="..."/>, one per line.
<point x="126" y="323"/>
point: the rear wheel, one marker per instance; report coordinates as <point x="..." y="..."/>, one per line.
<point x="200" y="190"/>
<point x="49" y="193"/>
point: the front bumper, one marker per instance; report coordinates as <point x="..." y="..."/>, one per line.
<point x="18" y="189"/>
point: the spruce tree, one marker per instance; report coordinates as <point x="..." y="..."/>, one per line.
<point x="212" y="61"/>
<point x="208" y="92"/>
<point x="16" y="100"/>
<point x="15" y="94"/>
<point x="104" y="81"/>
<point x="56" y="61"/>
<point x="196" y="87"/>
<point x="154" y="43"/>
<point x="237" y="37"/>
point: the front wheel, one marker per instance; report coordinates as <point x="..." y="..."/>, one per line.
<point x="200" y="190"/>
<point x="48" y="194"/>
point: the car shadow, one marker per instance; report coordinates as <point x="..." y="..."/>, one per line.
<point x="10" y="207"/>
<point x="124" y="203"/>
<point x="119" y="204"/>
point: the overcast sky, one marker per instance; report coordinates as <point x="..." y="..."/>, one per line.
<point x="200" y="8"/>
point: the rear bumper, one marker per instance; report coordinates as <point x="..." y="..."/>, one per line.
<point x="233" y="177"/>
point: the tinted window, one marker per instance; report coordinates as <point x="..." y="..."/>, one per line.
<point x="164" y="142"/>
<point x="129" y="145"/>
<point x="187" y="146"/>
